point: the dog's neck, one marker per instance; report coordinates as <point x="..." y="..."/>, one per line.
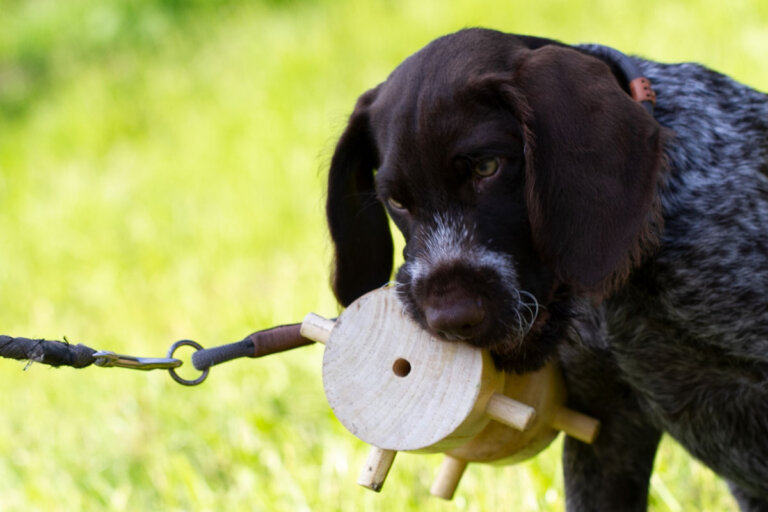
<point x="627" y="71"/>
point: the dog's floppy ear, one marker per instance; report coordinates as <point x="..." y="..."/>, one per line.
<point x="357" y="220"/>
<point x="594" y="157"/>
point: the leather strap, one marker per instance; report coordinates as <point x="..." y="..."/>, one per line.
<point x="641" y="90"/>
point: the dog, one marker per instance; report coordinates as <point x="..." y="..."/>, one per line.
<point x="550" y="215"/>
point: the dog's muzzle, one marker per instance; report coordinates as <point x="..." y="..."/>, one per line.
<point x="462" y="290"/>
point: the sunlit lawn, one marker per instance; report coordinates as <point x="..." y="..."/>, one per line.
<point x="161" y="177"/>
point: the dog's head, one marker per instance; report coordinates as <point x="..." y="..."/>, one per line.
<point x="519" y="170"/>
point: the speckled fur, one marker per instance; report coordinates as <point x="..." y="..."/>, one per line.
<point x="684" y="344"/>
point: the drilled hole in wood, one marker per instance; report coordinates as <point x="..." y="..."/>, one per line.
<point x="402" y="367"/>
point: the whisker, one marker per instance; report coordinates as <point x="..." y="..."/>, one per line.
<point x="519" y="326"/>
<point x="527" y="303"/>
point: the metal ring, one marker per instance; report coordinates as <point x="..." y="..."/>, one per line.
<point x="172" y="371"/>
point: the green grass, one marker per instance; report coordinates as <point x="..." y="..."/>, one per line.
<point x="161" y="177"/>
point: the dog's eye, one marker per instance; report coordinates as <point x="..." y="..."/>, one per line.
<point x="394" y="203"/>
<point x="487" y="167"/>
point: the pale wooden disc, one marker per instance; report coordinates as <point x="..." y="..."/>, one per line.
<point x="396" y="387"/>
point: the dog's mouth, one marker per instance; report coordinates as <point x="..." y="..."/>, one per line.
<point x="476" y="305"/>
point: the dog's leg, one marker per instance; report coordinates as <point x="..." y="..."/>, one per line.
<point x="747" y="502"/>
<point x="613" y="473"/>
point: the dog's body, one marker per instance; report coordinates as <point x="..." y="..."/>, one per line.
<point x="548" y="215"/>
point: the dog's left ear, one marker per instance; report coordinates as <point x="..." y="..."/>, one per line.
<point x="593" y="157"/>
<point x="357" y="220"/>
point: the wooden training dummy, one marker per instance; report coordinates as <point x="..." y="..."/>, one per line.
<point x="396" y="387"/>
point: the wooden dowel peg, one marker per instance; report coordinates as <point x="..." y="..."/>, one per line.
<point x="316" y="328"/>
<point x="376" y="468"/>
<point x="576" y="425"/>
<point x="448" y="477"/>
<point x="510" y="412"/>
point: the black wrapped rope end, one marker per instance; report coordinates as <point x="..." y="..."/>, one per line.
<point x="52" y="353"/>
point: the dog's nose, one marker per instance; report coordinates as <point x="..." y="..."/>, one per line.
<point x="455" y="316"/>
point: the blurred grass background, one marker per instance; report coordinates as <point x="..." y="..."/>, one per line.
<point x="161" y="177"/>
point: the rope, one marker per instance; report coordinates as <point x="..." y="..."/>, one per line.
<point x="62" y="353"/>
<point x="50" y="352"/>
